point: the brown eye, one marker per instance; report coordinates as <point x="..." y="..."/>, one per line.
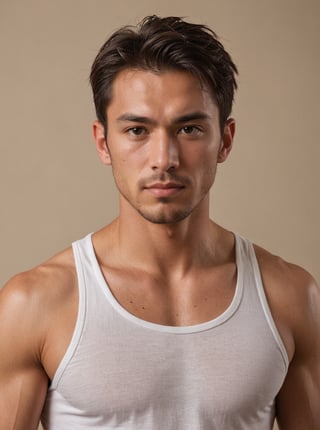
<point x="190" y="130"/>
<point x="137" y="131"/>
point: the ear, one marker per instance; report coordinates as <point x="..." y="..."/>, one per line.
<point x="227" y="140"/>
<point x="101" y="144"/>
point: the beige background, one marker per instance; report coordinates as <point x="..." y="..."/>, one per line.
<point x="53" y="188"/>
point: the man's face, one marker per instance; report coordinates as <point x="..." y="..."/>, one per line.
<point x="163" y="142"/>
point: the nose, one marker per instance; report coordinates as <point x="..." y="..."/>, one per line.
<point x="164" y="152"/>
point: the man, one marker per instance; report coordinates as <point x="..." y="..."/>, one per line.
<point x="163" y="319"/>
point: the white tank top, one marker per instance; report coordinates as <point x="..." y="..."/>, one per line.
<point x="121" y="372"/>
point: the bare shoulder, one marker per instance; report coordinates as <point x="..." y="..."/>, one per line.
<point x="45" y="282"/>
<point x="29" y="300"/>
<point x="36" y="308"/>
<point x="284" y="277"/>
<point x="294" y="298"/>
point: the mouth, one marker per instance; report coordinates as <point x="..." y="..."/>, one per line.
<point x="164" y="189"/>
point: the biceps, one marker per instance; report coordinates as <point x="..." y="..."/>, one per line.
<point x="22" y="395"/>
<point x="299" y="398"/>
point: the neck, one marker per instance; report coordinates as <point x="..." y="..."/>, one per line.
<point x="161" y="247"/>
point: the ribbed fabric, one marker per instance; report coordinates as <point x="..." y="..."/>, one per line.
<point x="121" y="372"/>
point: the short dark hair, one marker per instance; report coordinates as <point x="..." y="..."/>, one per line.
<point x="160" y="44"/>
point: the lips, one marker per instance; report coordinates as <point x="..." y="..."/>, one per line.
<point x="164" y="189"/>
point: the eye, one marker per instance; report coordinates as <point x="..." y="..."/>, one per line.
<point x="137" y="131"/>
<point x="191" y="130"/>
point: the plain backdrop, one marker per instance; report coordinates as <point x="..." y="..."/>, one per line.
<point x="53" y="188"/>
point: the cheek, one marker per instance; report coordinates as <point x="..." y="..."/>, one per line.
<point x="206" y="167"/>
<point x="126" y="168"/>
<point x="128" y="154"/>
<point x="200" y="158"/>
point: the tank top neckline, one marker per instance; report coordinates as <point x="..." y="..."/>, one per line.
<point x="220" y="319"/>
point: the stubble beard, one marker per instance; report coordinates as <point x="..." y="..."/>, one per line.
<point x="165" y="216"/>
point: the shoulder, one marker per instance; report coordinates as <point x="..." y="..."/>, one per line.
<point x="294" y="299"/>
<point x="286" y="279"/>
<point x="30" y="299"/>
<point x="289" y="278"/>
<point x="32" y="305"/>
<point x="45" y="280"/>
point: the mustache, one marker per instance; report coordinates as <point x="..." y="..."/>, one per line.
<point x="164" y="177"/>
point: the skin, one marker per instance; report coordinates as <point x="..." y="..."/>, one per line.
<point x="164" y="144"/>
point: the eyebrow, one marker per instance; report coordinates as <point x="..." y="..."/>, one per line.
<point x="129" y="117"/>
<point x="193" y="116"/>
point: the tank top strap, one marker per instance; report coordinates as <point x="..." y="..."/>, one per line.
<point x="253" y="284"/>
<point x="79" y="257"/>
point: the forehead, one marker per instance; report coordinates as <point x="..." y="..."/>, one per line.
<point x="165" y="93"/>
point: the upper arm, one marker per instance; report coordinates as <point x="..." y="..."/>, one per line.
<point x="23" y="382"/>
<point x="298" y="402"/>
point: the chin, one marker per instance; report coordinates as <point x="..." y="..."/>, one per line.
<point x="161" y="217"/>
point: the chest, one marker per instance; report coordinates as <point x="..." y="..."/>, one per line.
<point x="121" y="370"/>
<point x="189" y="300"/>
<point x="120" y="374"/>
